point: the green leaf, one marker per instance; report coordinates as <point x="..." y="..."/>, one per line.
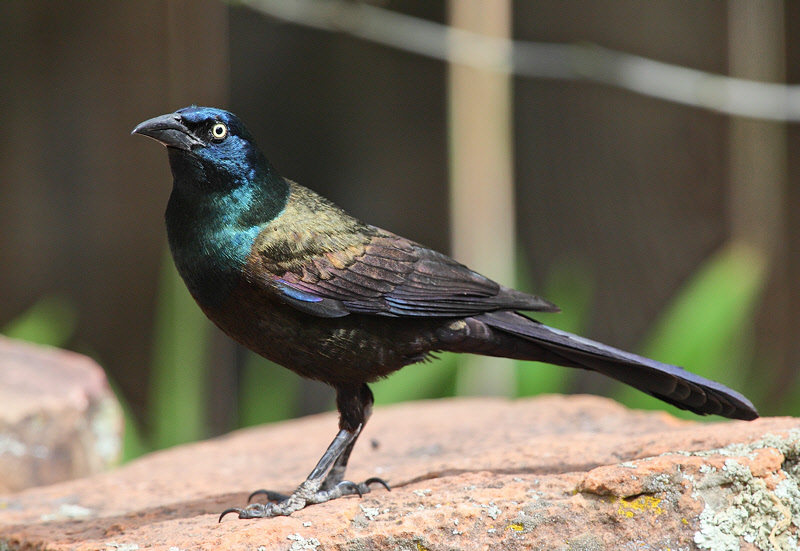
<point x="433" y="379"/>
<point x="51" y="321"/>
<point x="267" y="392"/>
<point x="707" y="327"/>
<point x="570" y="286"/>
<point x="178" y="381"/>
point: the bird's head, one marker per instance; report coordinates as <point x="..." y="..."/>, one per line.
<point x="209" y="140"/>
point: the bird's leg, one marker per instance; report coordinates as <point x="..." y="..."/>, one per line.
<point x="336" y="474"/>
<point x="354" y="408"/>
<point x="308" y="492"/>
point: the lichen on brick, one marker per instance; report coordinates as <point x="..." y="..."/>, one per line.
<point x="742" y="507"/>
<point x="630" y="507"/>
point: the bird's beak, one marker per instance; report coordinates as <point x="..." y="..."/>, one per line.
<point x="169" y="130"/>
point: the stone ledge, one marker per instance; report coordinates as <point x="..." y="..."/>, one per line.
<point x="59" y="418"/>
<point x="547" y="473"/>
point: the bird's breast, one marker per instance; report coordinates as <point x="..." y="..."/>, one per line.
<point x="211" y="258"/>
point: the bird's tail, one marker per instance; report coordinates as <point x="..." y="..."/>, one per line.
<point x="666" y="382"/>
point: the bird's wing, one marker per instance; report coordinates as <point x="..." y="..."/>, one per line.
<point x="392" y="276"/>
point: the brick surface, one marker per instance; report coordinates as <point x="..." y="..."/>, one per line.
<point x="546" y="473"/>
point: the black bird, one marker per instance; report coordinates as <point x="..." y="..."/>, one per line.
<point x="293" y="277"/>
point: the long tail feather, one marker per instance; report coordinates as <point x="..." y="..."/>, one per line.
<point x="669" y="383"/>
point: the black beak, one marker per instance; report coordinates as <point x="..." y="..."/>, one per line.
<point x="169" y="130"/>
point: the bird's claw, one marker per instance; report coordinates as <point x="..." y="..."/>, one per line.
<point x="376" y="480"/>
<point x="264" y="510"/>
<point x="242" y="513"/>
<point x="348" y="488"/>
<point x="280" y="504"/>
<point x="275" y="497"/>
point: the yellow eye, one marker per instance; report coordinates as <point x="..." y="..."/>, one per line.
<point x="219" y="131"/>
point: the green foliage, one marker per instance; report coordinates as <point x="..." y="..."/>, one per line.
<point x="791" y="404"/>
<point x="133" y="442"/>
<point x="434" y="379"/>
<point x="570" y="286"/>
<point x="51" y="321"/>
<point x="178" y="395"/>
<point x="707" y="327"/>
<point x="268" y="392"/>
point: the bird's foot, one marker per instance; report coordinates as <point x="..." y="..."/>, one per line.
<point x="363" y="487"/>
<point x="309" y="492"/>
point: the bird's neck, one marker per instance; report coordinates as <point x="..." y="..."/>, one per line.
<point x="211" y="229"/>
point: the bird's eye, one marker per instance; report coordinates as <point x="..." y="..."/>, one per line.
<point x="219" y="132"/>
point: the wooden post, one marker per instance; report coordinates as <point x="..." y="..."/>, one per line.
<point x="481" y="174"/>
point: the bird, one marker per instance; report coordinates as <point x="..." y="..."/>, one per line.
<point x="291" y="276"/>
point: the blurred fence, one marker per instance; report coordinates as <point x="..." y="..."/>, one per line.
<point x="621" y="199"/>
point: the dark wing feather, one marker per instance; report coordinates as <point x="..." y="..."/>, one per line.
<point x="391" y="276"/>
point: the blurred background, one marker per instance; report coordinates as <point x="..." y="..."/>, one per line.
<point x="658" y="225"/>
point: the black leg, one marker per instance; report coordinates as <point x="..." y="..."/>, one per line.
<point x="309" y="491"/>
<point x="326" y="481"/>
<point x="336" y="474"/>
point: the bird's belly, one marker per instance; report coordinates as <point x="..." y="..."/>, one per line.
<point x="348" y="350"/>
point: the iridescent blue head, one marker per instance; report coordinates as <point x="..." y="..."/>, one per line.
<point x="208" y="145"/>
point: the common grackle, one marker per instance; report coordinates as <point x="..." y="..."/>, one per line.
<point x="291" y="276"/>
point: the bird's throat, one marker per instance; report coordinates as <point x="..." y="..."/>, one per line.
<point x="211" y="233"/>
